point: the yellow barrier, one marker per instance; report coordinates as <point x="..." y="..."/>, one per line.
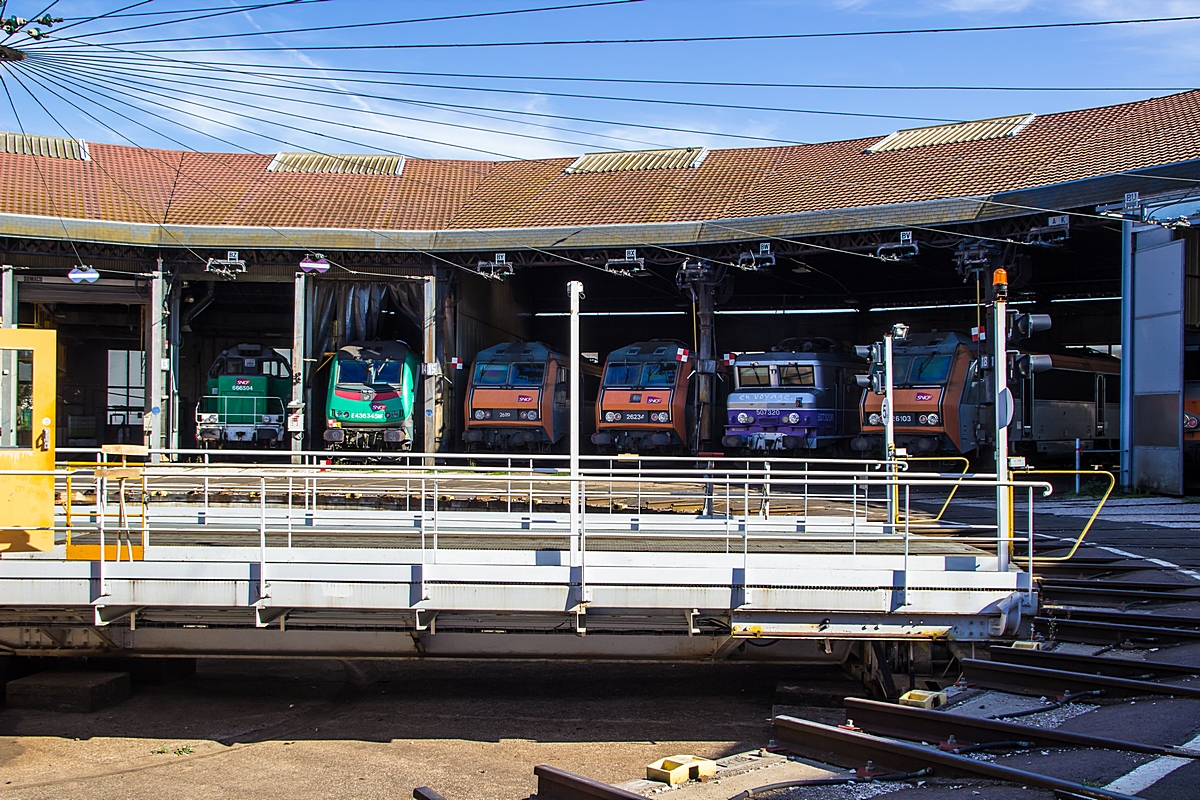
<point x="1112" y="482"/>
<point x="966" y="465"/>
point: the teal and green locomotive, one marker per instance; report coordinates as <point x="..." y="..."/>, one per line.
<point x="371" y="395"/>
<point x="245" y="399"/>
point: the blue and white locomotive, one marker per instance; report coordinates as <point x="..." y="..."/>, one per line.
<point x="801" y="395"/>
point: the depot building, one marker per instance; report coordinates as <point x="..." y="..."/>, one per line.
<point x="150" y="263"/>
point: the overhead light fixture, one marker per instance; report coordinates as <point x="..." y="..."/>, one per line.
<point x="905" y="250"/>
<point x="229" y="267"/>
<point x="496" y="270"/>
<point x="629" y="267"/>
<point x="83" y="274"/>
<point x="761" y="261"/>
<point x="314" y="262"/>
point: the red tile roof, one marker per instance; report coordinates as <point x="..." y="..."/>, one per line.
<point x="126" y="184"/>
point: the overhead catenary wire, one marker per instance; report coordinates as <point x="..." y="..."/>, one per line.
<point x="327" y="28"/>
<point x="459" y="108"/>
<point x="760" y="37"/>
<point x="305" y="68"/>
<point x="687" y="103"/>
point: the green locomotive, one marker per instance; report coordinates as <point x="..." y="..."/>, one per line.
<point x="245" y="398"/>
<point x="370" y="399"/>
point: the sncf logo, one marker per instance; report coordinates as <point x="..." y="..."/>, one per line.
<point x="653" y="400"/>
<point x="524" y="398"/>
<point x="241" y="382"/>
<point x="923" y="396"/>
<point x="378" y="407"/>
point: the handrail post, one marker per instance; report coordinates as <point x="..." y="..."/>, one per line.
<point x="1078" y="449"/>
<point x="262" y="538"/>
<point x="101" y="491"/>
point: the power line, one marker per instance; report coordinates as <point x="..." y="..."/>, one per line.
<point x="455" y="107"/>
<point x="131" y="57"/>
<point x="327" y="28"/>
<point x="84" y="20"/>
<point x="654" y="101"/>
<point x="761" y="37"/>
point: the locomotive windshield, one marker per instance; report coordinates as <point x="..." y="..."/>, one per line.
<point x="661" y="373"/>
<point x="525" y="374"/>
<point x="796" y="375"/>
<point x="367" y="372"/>
<point x="240" y="365"/>
<point x="921" y="370"/>
<point x="754" y="376"/>
<point x="491" y="374"/>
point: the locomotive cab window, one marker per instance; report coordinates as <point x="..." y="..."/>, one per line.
<point x="16" y="398"/>
<point x="757" y="375"/>
<point x="233" y="366"/>
<point x="528" y="374"/>
<point x="387" y="371"/>
<point x="930" y="369"/>
<point x="622" y="374"/>
<point x="491" y="374"/>
<point x="796" y="375"/>
<point x="352" y="372"/>
<point x="660" y="374"/>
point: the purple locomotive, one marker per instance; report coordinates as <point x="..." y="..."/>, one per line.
<point x="800" y="396"/>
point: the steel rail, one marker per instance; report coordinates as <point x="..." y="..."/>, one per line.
<point x="854" y="749"/>
<point x="557" y="784"/>
<point x="1139" y="586"/>
<point x="922" y="725"/>
<point x="1093" y="594"/>
<point x="425" y="793"/>
<point x="1096" y="632"/>
<point x="1096" y="665"/>
<point x="1021" y="679"/>
<point x="1121" y="617"/>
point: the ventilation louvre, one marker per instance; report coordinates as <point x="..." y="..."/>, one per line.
<point x="20" y="144"/>
<point x="334" y="164"/>
<point x="635" y="160"/>
<point x="975" y="131"/>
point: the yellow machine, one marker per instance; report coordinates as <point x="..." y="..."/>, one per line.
<point x="27" y="398"/>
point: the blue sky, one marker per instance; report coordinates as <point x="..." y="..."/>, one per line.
<point x="1161" y="55"/>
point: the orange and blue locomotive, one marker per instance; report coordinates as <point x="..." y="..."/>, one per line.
<point x="517" y="398"/>
<point x="646" y="399"/>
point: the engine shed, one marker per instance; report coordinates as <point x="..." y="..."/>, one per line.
<point x="150" y="263"/>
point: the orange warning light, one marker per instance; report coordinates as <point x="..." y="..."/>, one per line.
<point x="1000" y="277"/>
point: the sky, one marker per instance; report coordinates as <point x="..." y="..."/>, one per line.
<point x="122" y="88"/>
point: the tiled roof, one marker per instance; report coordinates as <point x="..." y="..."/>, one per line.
<point x="132" y="185"/>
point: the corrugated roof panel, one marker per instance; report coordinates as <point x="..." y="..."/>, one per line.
<point x="974" y="131"/>
<point x="330" y="164"/>
<point x="49" y="146"/>
<point x="634" y="160"/>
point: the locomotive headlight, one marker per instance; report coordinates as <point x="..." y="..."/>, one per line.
<point x="793" y="418"/>
<point x="923" y="419"/>
<point x="744" y="418"/>
<point x="208" y="419"/>
<point x="480" y="413"/>
<point x="531" y="415"/>
<point x="266" y="418"/>
<point x="933" y="419"/>
<point x="610" y="416"/>
<point x="1190" y="421"/>
<point x="874" y="419"/>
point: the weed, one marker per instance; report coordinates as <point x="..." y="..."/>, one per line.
<point x="186" y="750"/>
<point x="161" y="750"/>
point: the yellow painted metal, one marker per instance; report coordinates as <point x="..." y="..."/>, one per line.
<point x="966" y="465"/>
<point x="1112" y="482"/>
<point x="27" y="500"/>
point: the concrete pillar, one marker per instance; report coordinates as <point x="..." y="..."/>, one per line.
<point x="431" y="367"/>
<point x="299" y="367"/>
<point x="8" y="297"/>
<point x="154" y="349"/>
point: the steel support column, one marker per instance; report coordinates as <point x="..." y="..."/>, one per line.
<point x="299" y="366"/>
<point x="175" y="340"/>
<point x="431" y="369"/>
<point x="1126" y="354"/>
<point x="152" y="422"/>
<point x="8" y="297"/>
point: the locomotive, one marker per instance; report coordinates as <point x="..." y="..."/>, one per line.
<point x="370" y="397"/>
<point x="646" y="400"/>
<point x="243" y="404"/>
<point x="943" y="401"/>
<point x="801" y="395"/>
<point x="517" y="398"/>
